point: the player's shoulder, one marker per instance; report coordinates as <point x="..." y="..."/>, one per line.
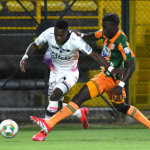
<point x="49" y="31"/>
<point x="74" y="37"/>
<point x="75" y="41"/>
<point x="99" y="31"/>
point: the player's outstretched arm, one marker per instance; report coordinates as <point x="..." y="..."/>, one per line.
<point x="130" y="67"/>
<point x="86" y="36"/>
<point x="102" y="61"/>
<point x="30" y="50"/>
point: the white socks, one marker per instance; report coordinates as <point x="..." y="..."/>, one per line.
<point x="51" y="109"/>
<point x="53" y="106"/>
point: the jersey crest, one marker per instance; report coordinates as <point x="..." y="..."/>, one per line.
<point x="112" y="46"/>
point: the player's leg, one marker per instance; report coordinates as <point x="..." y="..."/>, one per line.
<point x="64" y="82"/>
<point x="71" y="108"/>
<point x="54" y="94"/>
<point x="84" y="94"/>
<point x="82" y="115"/>
<point x="129" y="110"/>
<point x="53" y="102"/>
<point x="53" y="105"/>
<point x="132" y="112"/>
<point x="51" y="110"/>
<point x="68" y="110"/>
<point x="90" y="90"/>
<point x="70" y="79"/>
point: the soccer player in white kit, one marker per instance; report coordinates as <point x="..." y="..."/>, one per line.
<point x="62" y="57"/>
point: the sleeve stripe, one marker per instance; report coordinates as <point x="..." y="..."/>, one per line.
<point x="120" y="48"/>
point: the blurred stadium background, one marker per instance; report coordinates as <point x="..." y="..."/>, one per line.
<point x="25" y="94"/>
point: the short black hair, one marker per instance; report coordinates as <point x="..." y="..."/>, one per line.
<point x="61" y="24"/>
<point x="111" y="17"/>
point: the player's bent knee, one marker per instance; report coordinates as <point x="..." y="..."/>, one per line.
<point x="54" y="97"/>
<point x="57" y="93"/>
<point x="122" y="107"/>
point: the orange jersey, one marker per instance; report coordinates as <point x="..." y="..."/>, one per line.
<point x="116" y="50"/>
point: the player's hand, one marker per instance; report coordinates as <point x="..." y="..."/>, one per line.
<point x="76" y="32"/>
<point x="118" y="93"/>
<point x="22" y="64"/>
<point x="117" y="71"/>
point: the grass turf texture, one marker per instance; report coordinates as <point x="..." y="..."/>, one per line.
<point x="73" y="137"/>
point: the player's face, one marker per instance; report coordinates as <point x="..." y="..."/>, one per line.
<point x="108" y="29"/>
<point x="60" y="35"/>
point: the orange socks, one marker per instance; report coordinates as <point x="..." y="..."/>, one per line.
<point x="63" y="113"/>
<point x="136" y="114"/>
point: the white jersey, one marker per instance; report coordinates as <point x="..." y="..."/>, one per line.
<point x="63" y="57"/>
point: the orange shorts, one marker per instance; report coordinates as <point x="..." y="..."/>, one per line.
<point x="101" y="84"/>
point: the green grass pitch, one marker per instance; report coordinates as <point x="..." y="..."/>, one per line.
<point x="73" y="137"/>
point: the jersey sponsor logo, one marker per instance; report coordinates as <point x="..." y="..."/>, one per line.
<point x="127" y="50"/>
<point x="57" y="56"/>
<point x="106" y="52"/>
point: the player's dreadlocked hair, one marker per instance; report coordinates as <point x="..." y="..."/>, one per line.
<point x="112" y="17"/>
<point x="61" y="24"/>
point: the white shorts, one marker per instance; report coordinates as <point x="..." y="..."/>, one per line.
<point x="64" y="81"/>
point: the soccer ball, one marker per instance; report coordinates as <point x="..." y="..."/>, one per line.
<point x="8" y="128"/>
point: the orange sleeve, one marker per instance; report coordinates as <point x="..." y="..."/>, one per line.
<point x="99" y="34"/>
